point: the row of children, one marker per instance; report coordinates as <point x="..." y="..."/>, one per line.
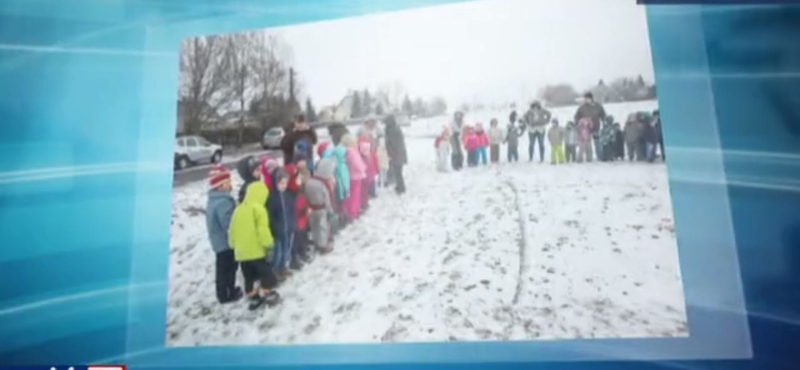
<point x="285" y="214"/>
<point x="573" y="143"/>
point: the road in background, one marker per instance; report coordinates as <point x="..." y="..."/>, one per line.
<point x="199" y="173"/>
<point x="229" y="159"/>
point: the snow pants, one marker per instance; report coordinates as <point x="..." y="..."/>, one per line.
<point x="226" y="275"/>
<point x="482" y="155"/>
<point x="300" y="248"/>
<point x="282" y="252"/>
<point x="320" y="227"/>
<point x="472" y="158"/>
<point x="353" y="205"/>
<point x="494" y="152"/>
<point x="585" y="152"/>
<point x="367" y="191"/>
<point x="632" y="150"/>
<point x="571" y="153"/>
<point x="258" y="270"/>
<point x="513" y="153"/>
<point x="557" y="154"/>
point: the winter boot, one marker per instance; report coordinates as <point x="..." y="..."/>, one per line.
<point x="295" y="264"/>
<point x="236" y="295"/>
<point x="272" y="298"/>
<point x="256" y="301"/>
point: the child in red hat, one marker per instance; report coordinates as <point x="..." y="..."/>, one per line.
<point x="219" y="210"/>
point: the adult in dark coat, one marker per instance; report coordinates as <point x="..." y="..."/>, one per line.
<point x="457" y="155"/>
<point x="659" y="134"/>
<point x="296" y="132"/>
<point x="336" y="130"/>
<point x="594" y="111"/>
<point x="396" y="148"/>
<point x="650" y="140"/>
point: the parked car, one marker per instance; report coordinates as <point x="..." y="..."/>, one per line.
<point x="191" y="150"/>
<point x="272" y="138"/>
<point x="402" y="120"/>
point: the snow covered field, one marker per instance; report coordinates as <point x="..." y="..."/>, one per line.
<point x="510" y="252"/>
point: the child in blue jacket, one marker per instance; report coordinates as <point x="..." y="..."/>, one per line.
<point x="219" y="210"/>
<point x="283" y="223"/>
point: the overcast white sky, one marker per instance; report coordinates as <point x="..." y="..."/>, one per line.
<point x="492" y="51"/>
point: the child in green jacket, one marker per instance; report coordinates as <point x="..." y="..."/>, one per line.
<point x="251" y="240"/>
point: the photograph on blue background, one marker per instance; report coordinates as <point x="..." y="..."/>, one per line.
<point x="488" y="171"/>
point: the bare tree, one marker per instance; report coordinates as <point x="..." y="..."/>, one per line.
<point x="393" y="92"/>
<point x="239" y="50"/>
<point x="202" y="81"/>
<point x="270" y="68"/>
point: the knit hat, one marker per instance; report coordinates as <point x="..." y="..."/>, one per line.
<point x="270" y="162"/>
<point x="279" y="174"/>
<point x="218" y="176"/>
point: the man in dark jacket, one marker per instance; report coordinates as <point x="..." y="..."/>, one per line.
<point x="594" y="111"/>
<point x="296" y="133"/>
<point x="396" y="148"/>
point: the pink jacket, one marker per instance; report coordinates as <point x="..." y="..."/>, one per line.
<point x="358" y="170"/>
<point x="471" y="142"/>
<point x="585" y="130"/>
<point x="483" y="139"/>
<point x="367" y="155"/>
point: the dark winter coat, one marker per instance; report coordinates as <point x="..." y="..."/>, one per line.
<point x="219" y="211"/>
<point x="395" y="143"/>
<point x="245" y="168"/>
<point x="633" y="130"/>
<point x="649" y="134"/>
<point x="289" y="142"/>
<point x="336" y="131"/>
<point x="619" y="142"/>
<point x="593" y="111"/>
<point x="537" y="118"/>
<point x="607" y="134"/>
<point x="282" y="207"/>
<point x="657" y="127"/>
<point x="512" y="135"/>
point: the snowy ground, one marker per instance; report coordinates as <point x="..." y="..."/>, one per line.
<point x="511" y="252"/>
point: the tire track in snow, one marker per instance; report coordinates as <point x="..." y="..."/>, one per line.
<point x="511" y="311"/>
<point x="523" y="243"/>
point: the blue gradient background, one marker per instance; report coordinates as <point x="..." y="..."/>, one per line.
<point x="87" y="106"/>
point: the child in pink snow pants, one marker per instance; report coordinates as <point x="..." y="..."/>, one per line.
<point x="358" y="172"/>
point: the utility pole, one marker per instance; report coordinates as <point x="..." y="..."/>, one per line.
<point x="292" y="100"/>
